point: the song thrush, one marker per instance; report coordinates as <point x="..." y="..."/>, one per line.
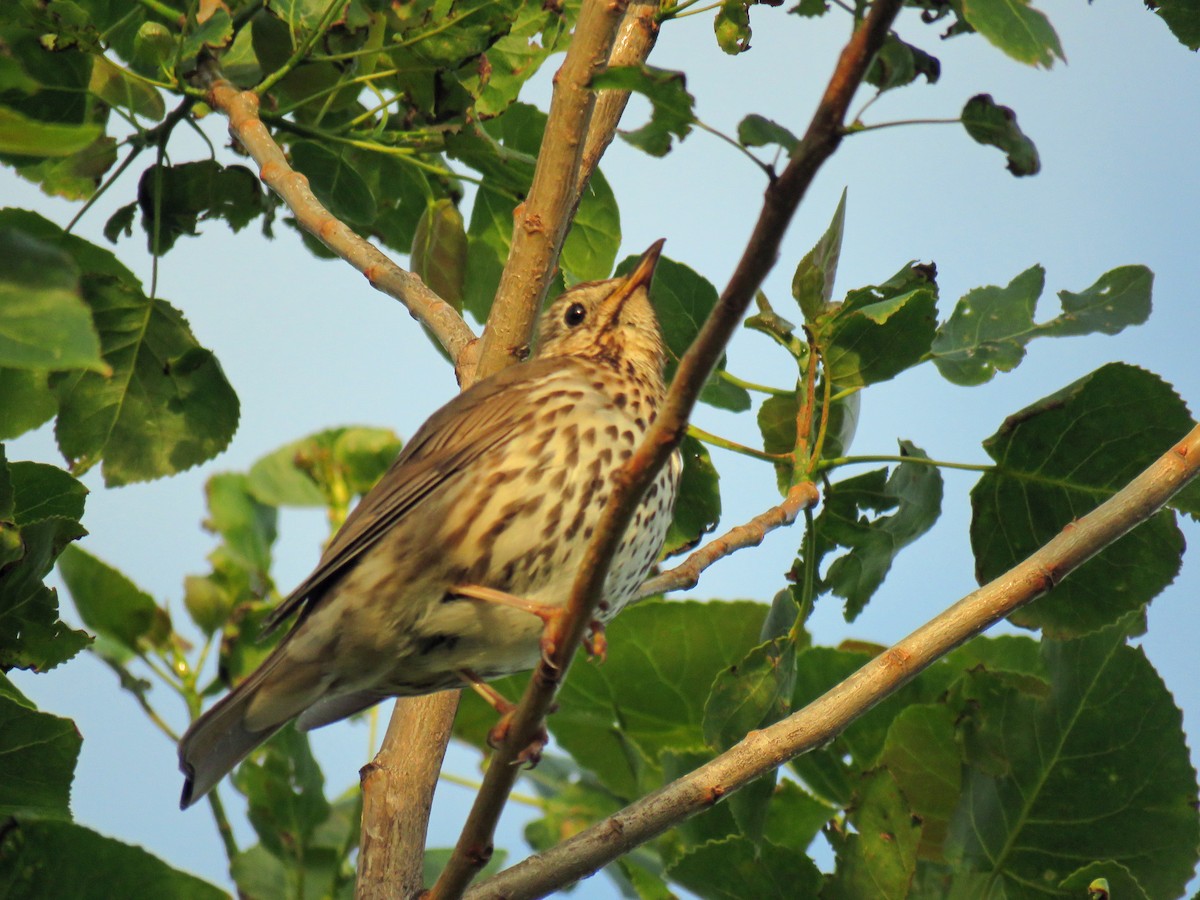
<point x="493" y="499"/>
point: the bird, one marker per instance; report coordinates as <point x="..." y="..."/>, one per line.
<point x="443" y="574"/>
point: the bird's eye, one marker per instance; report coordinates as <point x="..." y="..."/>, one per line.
<point x="576" y="313"/>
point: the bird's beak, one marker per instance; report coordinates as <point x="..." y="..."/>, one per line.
<point x="641" y="276"/>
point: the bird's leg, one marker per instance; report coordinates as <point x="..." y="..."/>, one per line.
<point x="497" y="701"/>
<point x="594" y="642"/>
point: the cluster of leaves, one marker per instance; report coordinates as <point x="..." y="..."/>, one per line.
<point x="389" y="109"/>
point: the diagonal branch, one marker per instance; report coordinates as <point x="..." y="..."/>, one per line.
<point x="827" y="716"/>
<point x="686" y="575"/>
<point x="241" y="107"/>
<point x="782" y="198"/>
<point x="541" y="222"/>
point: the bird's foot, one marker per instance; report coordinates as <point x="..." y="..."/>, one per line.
<point x="595" y="642"/>
<point x="499" y="732"/>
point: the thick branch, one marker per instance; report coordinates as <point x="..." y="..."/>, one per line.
<point x="782" y="197"/>
<point x="827" y="716"/>
<point x="397" y="789"/>
<point x="241" y="107"/>
<point x="541" y="222"/>
<point x="686" y="575"/>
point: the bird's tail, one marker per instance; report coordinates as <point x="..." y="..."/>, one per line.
<point x="253" y="711"/>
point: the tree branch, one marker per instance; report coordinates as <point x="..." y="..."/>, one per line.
<point x="541" y="222"/>
<point x="827" y="716"/>
<point x="782" y="198"/>
<point x="241" y="108"/>
<point x="686" y="575"/>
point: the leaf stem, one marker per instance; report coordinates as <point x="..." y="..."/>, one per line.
<point x="470" y="784"/>
<point x="858" y="129"/>
<point x="728" y="376"/>
<point x="767" y="170"/>
<point x="223" y="827"/>
<point x="725" y="444"/>
<point x="826" y="465"/>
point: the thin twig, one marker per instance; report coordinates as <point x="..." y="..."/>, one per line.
<point x="686" y="575"/>
<point x="780" y="202"/>
<point x="241" y="107"/>
<point x="827" y="716"/>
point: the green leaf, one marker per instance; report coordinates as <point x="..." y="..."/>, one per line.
<point x="682" y="300"/>
<point x="439" y="251"/>
<point x="35" y="498"/>
<point x="758" y="131"/>
<point x="1098" y="770"/>
<point x="671" y="104"/>
<point x="649" y="695"/>
<point x="735" y="869"/>
<point x="285" y="790"/>
<point x="990" y="326"/>
<point x="247" y="526"/>
<point x="1057" y="460"/>
<point x="27" y="401"/>
<point x="46" y="858"/>
<point x="112" y="605"/>
<point x="207" y="602"/>
<point x="995" y="125"/>
<point x="922" y="755"/>
<point x="698" y="507"/>
<point x="38" y="753"/>
<point x="732" y="26"/>
<point x="75" y="177"/>
<point x="116" y="87"/>
<point x="913" y="490"/>
<point x="812" y="284"/>
<point x="878" y="332"/>
<point x="44" y="323"/>
<point x="24" y="136"/>
<point x="1182" y="17"/>
<point x="489" y="235"/>
<point x="591" y="246"/>
<point x="167" y="406"/>
<point x="213" y="33"/>
<point x="182" y="196"/>
<point x="899" y="63"/>
<point x="314" y="470"/>
<point x="335" y="182"/>
<point x="1016" y="28"/>
<point x="43" y="492"/>
<point x="751" y="694"/>
<point x="880" y="859"/>
<point x="795" y="817"/>
<point x="515" y="57"/>
<point x="832" y="772"/>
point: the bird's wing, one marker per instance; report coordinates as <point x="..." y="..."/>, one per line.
<point x="476" y="421"/>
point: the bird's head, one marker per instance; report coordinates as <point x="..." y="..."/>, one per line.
<point x="609" y="321"/>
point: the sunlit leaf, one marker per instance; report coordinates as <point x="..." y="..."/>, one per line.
<point x="1057" y="460"/>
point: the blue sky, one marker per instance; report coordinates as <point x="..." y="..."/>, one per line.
<point x="308" y="344"/>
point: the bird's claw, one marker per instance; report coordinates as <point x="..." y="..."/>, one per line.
<point x="595" y="642"/>
<point x="531" y="755"/>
